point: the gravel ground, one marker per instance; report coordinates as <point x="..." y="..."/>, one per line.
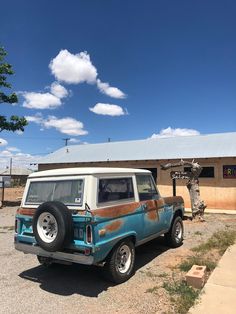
<point x="26" y="286"/>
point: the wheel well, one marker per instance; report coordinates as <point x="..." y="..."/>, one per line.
<point x="130" y="237"/>
<point x="178" y="213"/>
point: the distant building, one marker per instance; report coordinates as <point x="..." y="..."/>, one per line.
<point x="18" y="175"/>
<point x="215" y="152"/>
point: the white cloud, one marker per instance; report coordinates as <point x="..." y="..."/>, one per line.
<point x="74" y="141"/>
<point x="19" y="132"/>
<point x="3" y="142"/>
<point x="108" y="90"/>
<point x="19" y="160"/>
<point x="58" y="90"/>
<point x="5" y="153"/>
<point x="67" y="125"/>
<point x="108" y="109"/>
<point x="73" y="68"/>
<point x="41" y="100"/>
<point x="38" y="118"/>
<point x="13" y="149"/>
<point x="169" y="132"/>
<point x="78" y="68"/>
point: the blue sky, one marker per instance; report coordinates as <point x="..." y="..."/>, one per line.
<point x="93" y="70"/>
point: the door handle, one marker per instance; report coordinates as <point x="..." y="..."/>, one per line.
<point x="145" y="207"/>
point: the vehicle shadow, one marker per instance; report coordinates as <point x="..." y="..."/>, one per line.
<point x="86" y="280"/>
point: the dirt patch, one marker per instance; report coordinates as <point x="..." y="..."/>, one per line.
<point x="13" y="196"/>
<point x="82" y="289"/>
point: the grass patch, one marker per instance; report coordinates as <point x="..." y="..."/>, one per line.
<point x="150" y="274"/>
<point x="163" y="275"/>
<point x="183" y="295"/>
<point x="153" y="289"/>
<point x="220" y="241"/>
<point x="198" y="233"/>
<point x="197" y="260"/>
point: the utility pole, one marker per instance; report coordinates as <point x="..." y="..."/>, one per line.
<point x="66" y="141"/>
<point x="10" y="166"/>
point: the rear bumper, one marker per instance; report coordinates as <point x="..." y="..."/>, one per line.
<point x="68" y="257"/>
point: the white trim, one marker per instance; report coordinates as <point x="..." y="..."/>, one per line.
<point x="85" y="171"/>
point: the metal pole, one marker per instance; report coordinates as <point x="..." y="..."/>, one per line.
<point x="10" y="166"/>
<point x="174" y="187"/>
<point x="2" y="193"/>
<point x="66" y="141"/>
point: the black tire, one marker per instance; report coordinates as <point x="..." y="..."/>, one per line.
<point x="174" y="237"/>
<point x="116" y="269"/>
<point x="55" y="215"/>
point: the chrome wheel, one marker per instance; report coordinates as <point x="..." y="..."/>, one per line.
<point x="47" y="227"/>
<point x="123" y="259"/>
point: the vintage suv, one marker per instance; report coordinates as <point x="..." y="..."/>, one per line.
<point x="95" y="216"/>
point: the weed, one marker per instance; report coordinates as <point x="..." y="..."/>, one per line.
<point x="183" y="295"/>
<point x="197" y="260"/>
<point x="163" y="275"/>
<point x="153" y="289"/>
<point x="220" y="241"/>
<point x="150" y="274"/>
<point x="198" y="233"/>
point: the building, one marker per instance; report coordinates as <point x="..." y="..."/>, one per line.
<point x="216" y="153"/>
<point x="18" y="176"/>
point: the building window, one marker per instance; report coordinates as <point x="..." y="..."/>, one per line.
<point x="229" y="172"/>
<point x="154" y="173"/>
<point x="207" y="172"/>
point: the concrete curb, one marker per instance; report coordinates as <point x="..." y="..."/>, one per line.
<point x="219" y="293"/>
<point x="215" y="211"/>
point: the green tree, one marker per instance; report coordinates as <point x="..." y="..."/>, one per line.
<point x="14" y="123"/>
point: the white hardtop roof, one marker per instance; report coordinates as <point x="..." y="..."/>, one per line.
<point x="85" y="171"/>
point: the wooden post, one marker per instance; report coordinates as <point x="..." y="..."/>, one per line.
<point x="174" y="186"/>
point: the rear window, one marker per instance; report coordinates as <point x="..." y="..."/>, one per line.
<point x="115" y="189"/>
<point x="69" y="192"/>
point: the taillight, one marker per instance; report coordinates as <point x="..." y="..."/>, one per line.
<point x="89" y="236"/>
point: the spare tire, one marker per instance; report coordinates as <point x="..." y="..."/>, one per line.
<point x="53" y="226"/>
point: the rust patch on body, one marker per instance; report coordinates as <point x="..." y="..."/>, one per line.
<point x="152" y="214"/>
<point x="25" y="211"/>
<point x="160" y="203"/>
<point x="173" y="199"/>
<point x="102" y="232"/>
<point x="116" y="211"/>
<point x="152" y="208"/>
<point x="114" y="226"/>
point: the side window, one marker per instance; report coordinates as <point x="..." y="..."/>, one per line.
<point x="114" y="189"/>
<point x="146" y="188"/>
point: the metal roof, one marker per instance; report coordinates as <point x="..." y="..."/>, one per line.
<point x="85" y="171"/>
<point x="199" y="146"/>
<point x="16" y="172"/>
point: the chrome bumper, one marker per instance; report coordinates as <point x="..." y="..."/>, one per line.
<point x="68" y="257"/>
